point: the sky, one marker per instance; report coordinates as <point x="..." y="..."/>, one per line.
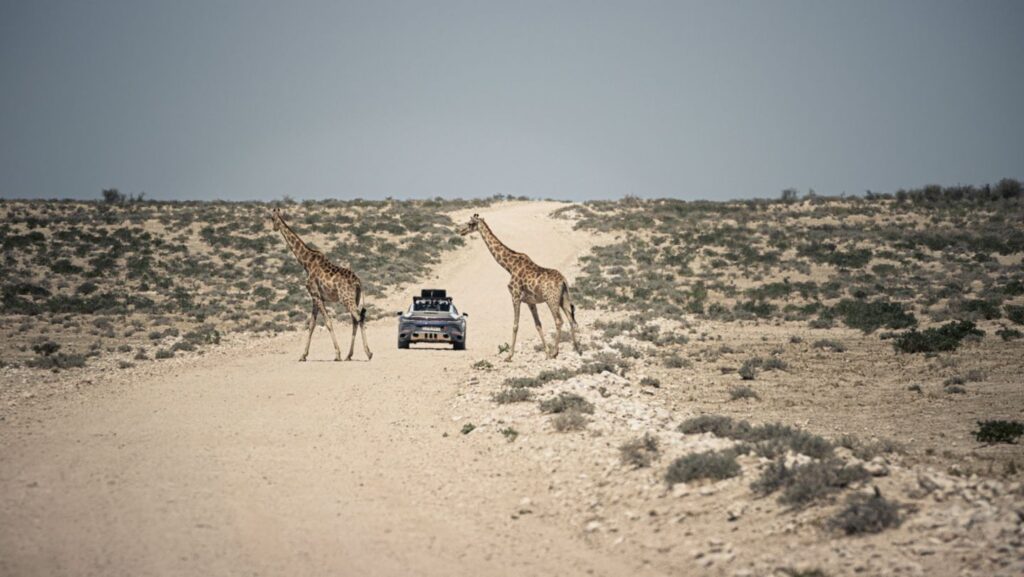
<point x="239" y="100"/>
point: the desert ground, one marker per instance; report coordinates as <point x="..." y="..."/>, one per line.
<point x="747" y="402"/>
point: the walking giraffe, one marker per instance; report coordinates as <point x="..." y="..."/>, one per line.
<point x="531" y="283"/>
<point x="326" y="283"/>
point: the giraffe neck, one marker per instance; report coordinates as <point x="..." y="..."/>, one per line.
<point x="303" y="253"/>
<point x="502" y="253"/>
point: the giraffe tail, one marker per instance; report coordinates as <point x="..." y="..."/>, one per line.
<point x="565" y="299"/>
<point x="362" y="315"/>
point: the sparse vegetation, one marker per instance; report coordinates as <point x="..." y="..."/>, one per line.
<point x="999" y="431"/>
<point x="769" y="440"/>
<point x="866" y="514"/>
<point x="713" y="465"/>
<point x="935" y="340"/>
<point x="801" y="485"/>
<point x="640" y="452"/>
<point x="212" y="267"/>
<point x="871" y="316"/>
<point x="749" y="369"/>
<point x="513" y="395"/>
<point x="566" y="402"/>
<point x="571" y="420"/>
<point x="650" y="382"/>
<point x="742" y="392"/>
<point x="829" y="345"/>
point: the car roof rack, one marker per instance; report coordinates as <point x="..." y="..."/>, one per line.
<point x="433" y="294"/>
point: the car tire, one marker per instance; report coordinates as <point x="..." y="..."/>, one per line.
<point x="459" y="346"/>
<point x="403" y="343"/>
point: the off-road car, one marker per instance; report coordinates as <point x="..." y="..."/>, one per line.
<point x="432" y="318"/>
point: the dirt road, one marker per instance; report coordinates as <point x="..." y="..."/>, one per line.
<point x="249" y="462"/>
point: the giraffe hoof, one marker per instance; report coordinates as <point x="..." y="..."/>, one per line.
<point x="508" y="359"/>
<point x="369" y="356"/>
<point x="302" y="359"/>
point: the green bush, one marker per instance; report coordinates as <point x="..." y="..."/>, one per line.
<point x="57" y="361"/>
<point x="866" y="514"/>
<point x="570" y="420"/>
<point x="650" y="382"/>
<point x="749" y="369"/>
<point x="767" y="440"/>
<point x="512" y="395"/>
<point x="974" y="308"/>
<point x="565" y="402"/>
<point x="934" y="340"/>
<point x="203" y="335"/>
<point x="718" y="425"/>
<point x="1015" y="313"/>
<point x="742" y="392"/>
<point x="1008" y="334"/>
<point x="714" y="465"/>
<point x="640" y="452"/>
<point x="871" y="316"/>
<point x="829" y="345"/>
<point x="46" y="348"/>
<point x="804" y="484"/>
<point x="999" y="431"/>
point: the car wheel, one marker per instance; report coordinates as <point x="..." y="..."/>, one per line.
<point x="459" y="346"/>
<point x="403" y="343"/>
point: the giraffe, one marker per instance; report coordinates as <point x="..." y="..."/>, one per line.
<point x="326" y="282"/>
<point x="531" y="283"/>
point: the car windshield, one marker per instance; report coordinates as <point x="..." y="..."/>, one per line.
<point x="434" y="305"/>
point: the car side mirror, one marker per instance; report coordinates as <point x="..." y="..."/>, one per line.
<point x="399" y="313"/>
<point x="465" y="314"/>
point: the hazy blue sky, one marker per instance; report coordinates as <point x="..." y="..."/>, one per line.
<point x="255" y="100"/>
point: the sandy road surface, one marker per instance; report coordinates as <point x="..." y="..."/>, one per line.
<point x="252" y="463"/>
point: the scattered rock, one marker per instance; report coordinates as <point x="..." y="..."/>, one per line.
<point x="735" y="511"/>
<point x="877" y="467"/>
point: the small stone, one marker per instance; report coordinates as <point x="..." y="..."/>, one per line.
<point x="734" y="512"/>
<point x="877" y="467"/>
<point x="592" y="526"/>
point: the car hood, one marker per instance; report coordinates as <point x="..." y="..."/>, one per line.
<point x="431" y="316"/>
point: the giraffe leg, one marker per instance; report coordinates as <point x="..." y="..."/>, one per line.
<point x="330" y="328"/>
<point x="558" y="327"/>
<point x="312" y="327"/>
<point x="352" y="343"/>
<point x="517" y="300"/>
<point x="540" y="329"/>
<point x="569" y="311"/>
<point x="362" y="331"/>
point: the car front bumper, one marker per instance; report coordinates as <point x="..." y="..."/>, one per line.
<point x="432" y="333"/>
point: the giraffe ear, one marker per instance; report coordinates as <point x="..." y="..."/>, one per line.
<point x="476" y="216"/>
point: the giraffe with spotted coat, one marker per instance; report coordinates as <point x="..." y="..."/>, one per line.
<point x="532" y="284"/>
<point x="326" y="282"/>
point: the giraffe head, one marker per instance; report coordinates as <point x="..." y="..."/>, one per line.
<point x="472" y="226"/>
<point x="275" y="219"/>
